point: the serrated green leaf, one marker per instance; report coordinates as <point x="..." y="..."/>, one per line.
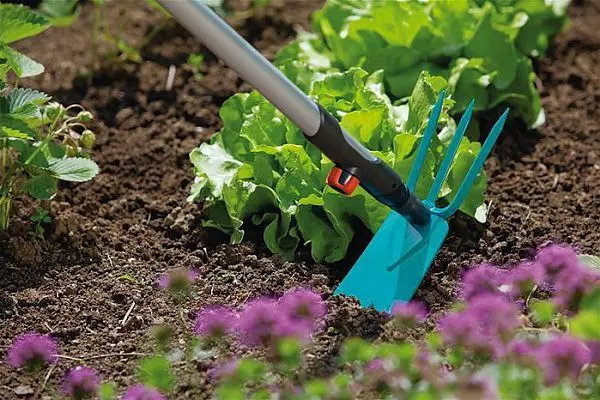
<point x="74" y="169"/>
<point x="11" y="127"/>
<point x="19" y="22"/>
<point x="156" y="372"/>
<point x="22" y="102"/>
<point x="41" y="187"/>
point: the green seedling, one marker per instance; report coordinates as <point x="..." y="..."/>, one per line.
<point x="39" y="219"/>
<point x="195" y="62"/>
<point x="120" y="48"/>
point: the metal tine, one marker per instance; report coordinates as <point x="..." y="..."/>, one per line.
<point x="474" y="170"/>
<point x="430" y="129"/>
<point x="449" y="157"/>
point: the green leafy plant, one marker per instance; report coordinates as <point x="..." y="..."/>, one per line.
<point x="40" y="218"/>
<point x="155" y="371"/>
<point x="259" y="167"/>
<point x="41" y="142"/>
<point x="195" y="62"/>
<point x="480" y="46"/>
<point x="18" y="22"/>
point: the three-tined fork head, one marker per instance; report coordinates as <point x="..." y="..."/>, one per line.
<point x="474" y="170"/>
<point x="396" y="260"/>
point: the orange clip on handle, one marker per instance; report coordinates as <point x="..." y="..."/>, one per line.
<point x="342" y="181"/>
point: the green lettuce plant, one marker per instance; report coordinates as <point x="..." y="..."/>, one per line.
<point x="364" y="64"/>
<point x="259" y="168"/>
<point x="41" y="142"/>
<point x="481" y="47"/>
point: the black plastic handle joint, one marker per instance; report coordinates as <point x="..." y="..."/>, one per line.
<point x="375" y="176"/>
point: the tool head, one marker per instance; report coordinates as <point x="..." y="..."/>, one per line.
<point x="396" y="260"/>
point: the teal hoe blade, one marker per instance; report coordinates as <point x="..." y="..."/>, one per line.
<point x="396" y="260"/>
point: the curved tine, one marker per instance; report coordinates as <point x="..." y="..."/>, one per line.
<point x="449" y="157"/>
<point x="466" y="185"/>
<point x="424" y="146"/>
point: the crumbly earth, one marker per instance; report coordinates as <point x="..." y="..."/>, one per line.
<point x="113" y="236"/>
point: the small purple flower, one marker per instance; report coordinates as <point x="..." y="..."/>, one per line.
<point x="215" y="322"/>
<point x="522" y="279"/>
<point x="572" y="285"/>
<point x="303" y="305"/>
<point x="260" y="322"/>
<point x="303" y="310"/>
<point x="562" y="357"/>
<point x="178" y="280"/>
<point x="32" y="350"/>
<point x="522" y="352"/>
<point x="81" y="382"/>
<point x="556" y="258"/>
<point x="482" y="279"/>
<point x="224" y="370"/>
<point x="484" y="327"/>
<point x="409" y="313"/>
<point x="594" y="346"/>
<point x="141" y="392"/>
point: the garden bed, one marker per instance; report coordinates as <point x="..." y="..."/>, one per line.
<point x="112" y="237"/>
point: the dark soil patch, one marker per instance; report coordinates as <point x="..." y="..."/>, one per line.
<point x="115" y="235"/>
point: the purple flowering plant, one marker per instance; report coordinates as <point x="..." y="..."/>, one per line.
<point x="178" y="282"/>
<point x="519" y="331"/>
<point x="81" y="383"/>
<point x="32" y="351"/>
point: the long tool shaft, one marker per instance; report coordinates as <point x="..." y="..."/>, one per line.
<point x="355" y="162"/>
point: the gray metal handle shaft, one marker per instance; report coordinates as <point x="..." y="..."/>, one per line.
<point x="237" y="53"/>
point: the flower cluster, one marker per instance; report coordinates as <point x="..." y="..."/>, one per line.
<point x="556" y="268"/>
<point x="296" y="314"/>
<point x="410" y="313"/>
<point x="81" y="382"/>
<point x="178" y="281"/>
<point x="485" y="326"/>
<point x="562" y="357"/>
<point x="32" y="350"/>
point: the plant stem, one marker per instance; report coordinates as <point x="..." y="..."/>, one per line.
<point x="5" y="206"/>
<point x="157" y="29"/>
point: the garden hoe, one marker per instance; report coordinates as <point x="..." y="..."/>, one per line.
<point x="396" y="260"/>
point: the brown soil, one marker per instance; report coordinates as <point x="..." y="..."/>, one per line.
<point x="113" y="236"/>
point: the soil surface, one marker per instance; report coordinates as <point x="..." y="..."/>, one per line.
<point x="92" y="282"/>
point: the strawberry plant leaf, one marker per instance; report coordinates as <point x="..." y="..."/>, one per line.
<point x="11" y="127"/>
<point x="19" y="22"/>
<point x="41" y="187"/>
<point x="22" y="65"/>
<point x="74" y="169"/>
<point x="60" y="13"/>
<point x="22" y="102"/>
